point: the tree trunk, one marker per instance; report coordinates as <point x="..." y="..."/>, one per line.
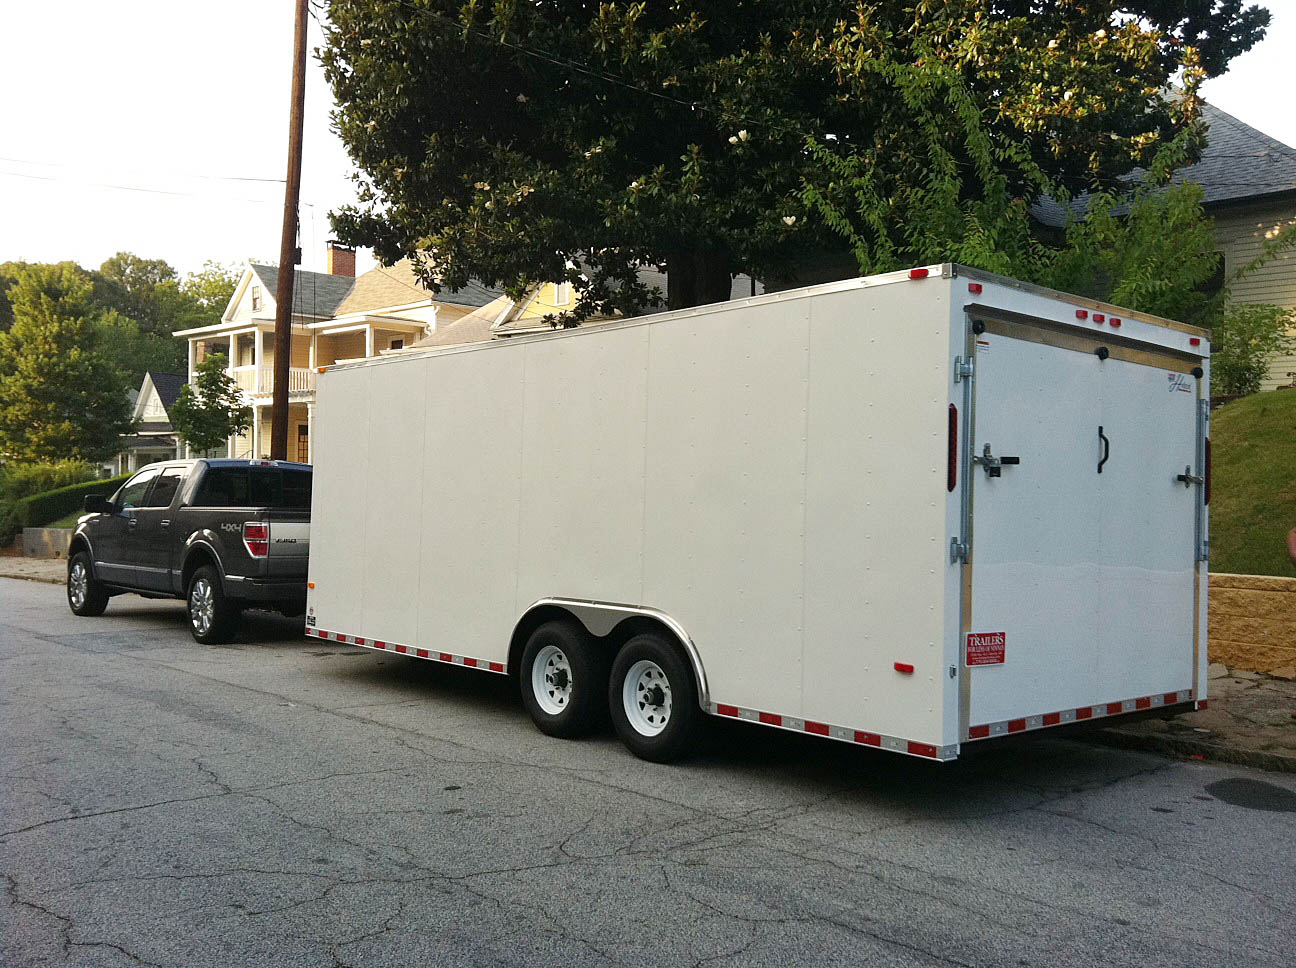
<point x="697" y="277"/>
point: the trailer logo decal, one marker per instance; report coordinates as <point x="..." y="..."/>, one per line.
<point x="986" y="648"/>
<point x="1180" y="382"/>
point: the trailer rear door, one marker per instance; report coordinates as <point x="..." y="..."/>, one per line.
<point x="1083" y="555"/>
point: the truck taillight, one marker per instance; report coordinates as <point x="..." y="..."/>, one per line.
<point x="951" y="469"/>
<point x="256" y="538"/>
<point x="1207" y="475"/>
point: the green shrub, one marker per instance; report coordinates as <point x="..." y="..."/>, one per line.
<point x="23" y="480"/>
<point x="8" y="523"/>
<point x="41" y="509"/>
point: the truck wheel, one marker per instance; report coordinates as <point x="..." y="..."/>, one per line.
<point x="563" y="679"/>
<point x="653" y="699"/>
<point x="86" y="596"/>
<point x="213" y="618"/>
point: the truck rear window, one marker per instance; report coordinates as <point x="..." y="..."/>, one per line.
<point x="254" y="487"/>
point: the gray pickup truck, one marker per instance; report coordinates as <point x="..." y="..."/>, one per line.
<point x="222" y="534"/>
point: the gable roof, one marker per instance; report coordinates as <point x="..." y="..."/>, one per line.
<point x="399" y="285"/>
<point x="314" y="293"/>
<point x="1238" y="163"/>
<point x="167" y="386"/>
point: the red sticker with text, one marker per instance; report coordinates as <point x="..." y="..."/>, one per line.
<point x="986" y="648"/>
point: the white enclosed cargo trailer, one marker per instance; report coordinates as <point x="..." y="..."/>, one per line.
<point x="910" y="511"/>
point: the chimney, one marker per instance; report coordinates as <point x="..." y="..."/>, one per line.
<point x="341" y="259"/>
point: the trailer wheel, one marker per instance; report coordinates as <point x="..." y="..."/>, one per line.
<point x="563" y="678"/>
<point x="213" y="618"/>
<point x="653" y="699"/>
<point x="86" y="596"/>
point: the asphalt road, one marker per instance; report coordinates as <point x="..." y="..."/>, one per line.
<point x="286" y="802"/>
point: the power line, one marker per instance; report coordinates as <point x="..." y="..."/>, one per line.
<point x="139" y="188"/>
<point x="183" y="174"/>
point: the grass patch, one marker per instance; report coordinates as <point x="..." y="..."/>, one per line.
<point x="1253" y="493"/>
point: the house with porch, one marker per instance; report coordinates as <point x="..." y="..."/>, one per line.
<point x="153" y="438"/>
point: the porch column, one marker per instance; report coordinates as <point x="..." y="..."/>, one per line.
<point x="258" y="359"/>
<point x="256" y="431"/>
<point x="369" y="341"/>
<point x="193" y="358"/>
<point x="310" y="433"/>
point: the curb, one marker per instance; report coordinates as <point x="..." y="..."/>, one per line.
<point x="1185" y="748"/>
<point x="46" y="581"/>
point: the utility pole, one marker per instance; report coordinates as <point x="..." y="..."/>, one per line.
<point x="289" y="254"/>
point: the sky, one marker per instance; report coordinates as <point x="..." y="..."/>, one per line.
<point x="161" y="127"/>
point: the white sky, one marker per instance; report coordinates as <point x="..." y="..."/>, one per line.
<point x="178" y="97"/>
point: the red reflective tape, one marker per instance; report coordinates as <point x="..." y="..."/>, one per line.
<point x="978" y="732"/>
<point x="1052" y="719"/>
<point x="470" y="662"/>
<point x="380" y="645"/>
<point x="1171" y="698"/>
<point x="497" y="667"/>
<point x="339" y="637"/>
<point x="868" y="739"/>
<point x="1085" y="713"/>
<point x="1205" y="703"/>
<point x="724" y="710"/>
<point x="421" y="653"/>
<point x="921" y="749"/>
<point x="1016" y="725"/>
<point x="445" y="657"/>
<point x="1115" y="707"/>
<point x="771" y="719"/>
<point x="818" y="728"/>
<point x="1145" y="702"/>
<point x="359" y="641"/>
<point x="401" y="648"/>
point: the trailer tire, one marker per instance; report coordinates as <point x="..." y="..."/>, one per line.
<point x="213" y="618"/>
<point x="86" y="596"/>
<point x="653" y="699"/>
<point x="563" y="680"/>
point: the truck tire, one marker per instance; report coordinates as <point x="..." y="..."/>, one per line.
<point x="86" y="596"/>
<point x="653" y="699"/>
<point x="213" y="618"/>
<point x="563" y="679"/>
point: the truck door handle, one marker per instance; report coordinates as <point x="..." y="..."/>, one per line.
<point x="164" y="523"/>
<point x="993" y="465"/>
<point x="131" y="523"/>
<point x="1106" y="446"/>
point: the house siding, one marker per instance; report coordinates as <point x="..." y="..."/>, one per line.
<point x="1240" y="235"/>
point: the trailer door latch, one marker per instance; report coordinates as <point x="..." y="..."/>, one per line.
<point x="1189" y="478"/>
<point x="993" y="465"/>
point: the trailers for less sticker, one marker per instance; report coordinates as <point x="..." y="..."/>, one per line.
<point x="986" y="648"/>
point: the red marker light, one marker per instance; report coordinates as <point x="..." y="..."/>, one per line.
<point x="974" y="288"/>
<point x="1082" y="314"/>
<point x="917" y="273"/>
<point x="1098" y="317"/>
<point x="904" y="668"/>
<point x="951" y="469"/>
<point x="1115" y="322"/>
<point x="1194" y="341"/>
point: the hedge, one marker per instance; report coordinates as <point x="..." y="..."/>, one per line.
<point x="40" y="509"/>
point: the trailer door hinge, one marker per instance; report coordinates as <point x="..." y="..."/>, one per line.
<point x="962" y="369"/>
<point x="958" y="551"/>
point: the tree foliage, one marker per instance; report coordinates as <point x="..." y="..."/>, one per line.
<point x="210" y="410"/>
<point x="582" y="141"/>
<point x="61" y="394"/>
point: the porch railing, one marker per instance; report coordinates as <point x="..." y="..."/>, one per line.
<point x="301" y="379"/>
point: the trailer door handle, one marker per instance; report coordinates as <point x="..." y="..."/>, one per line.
<point x="1189" y="478"/>
<point x="1106" y="446"/>
<point x="993" y="465"/>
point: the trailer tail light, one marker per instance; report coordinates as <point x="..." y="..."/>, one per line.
<point x="917" y="273"/>
<point x="1082" y="314"/>
<point x="256" y="538"/>
<point x="1207" y="475"/>
<point x="951" y="468"/>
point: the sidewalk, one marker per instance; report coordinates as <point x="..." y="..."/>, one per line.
<point x="1251" y="720"/>
<point x="53" y="570"/>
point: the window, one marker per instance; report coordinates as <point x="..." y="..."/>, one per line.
<point x="254" y="487"/>
<point x="132" y="493"/>
<point x="303" y="444"/>
<point x="256" y="298"/>
<point x="562" y="293"/>
<point x="398" y="344"/>
<point x="164" y="489"/>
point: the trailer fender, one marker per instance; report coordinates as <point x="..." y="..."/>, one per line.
<point x="601" y="619"/>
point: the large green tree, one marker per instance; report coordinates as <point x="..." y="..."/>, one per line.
<point x="61" y="394"/>
<point x="210" y="410"/>
<point x="581" y="141"/>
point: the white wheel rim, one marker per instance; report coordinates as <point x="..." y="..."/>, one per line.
<point x="77" y="582"/>
<point x="202" y="606"/>
<point x="551" y="680"/>
<point x="646" y="697"/>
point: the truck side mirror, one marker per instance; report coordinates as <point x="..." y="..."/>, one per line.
<point x="98" y="504"/>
